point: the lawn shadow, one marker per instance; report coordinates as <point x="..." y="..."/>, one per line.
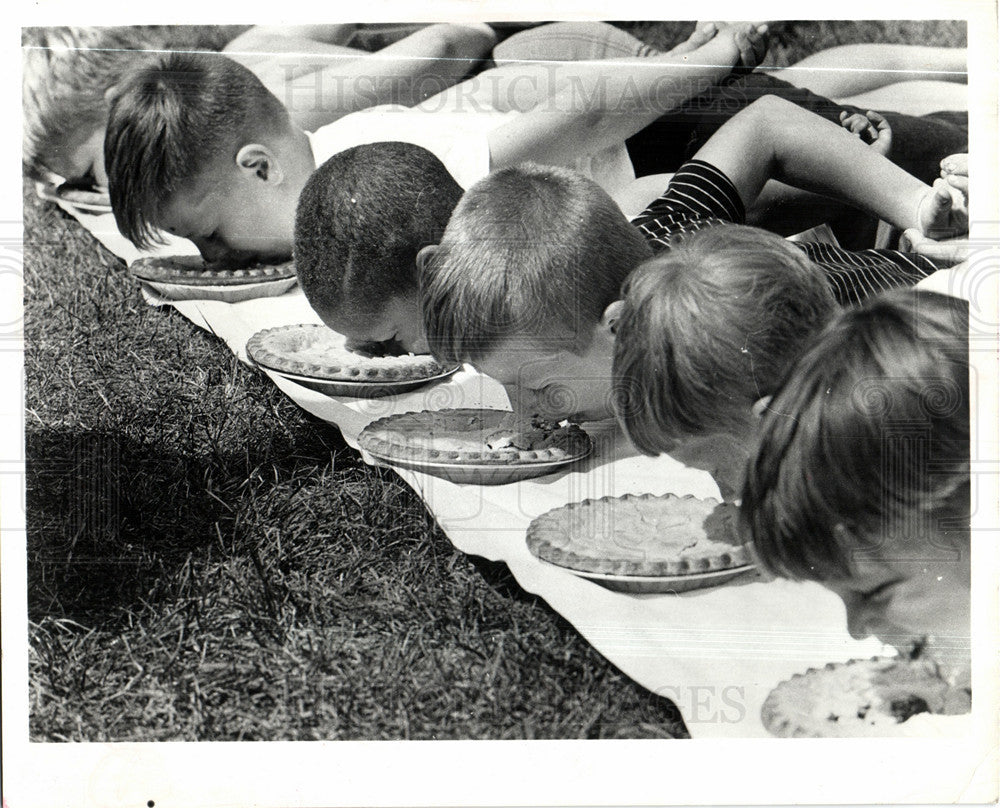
<point x="112" y="521"/>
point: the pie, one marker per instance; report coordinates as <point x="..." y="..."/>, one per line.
<point x="316" y="352"/>
<point x="191" y="270"/>
<point x="471" y="436"/>
<point x="860" y="697"/>
<point x="650" y="536"/>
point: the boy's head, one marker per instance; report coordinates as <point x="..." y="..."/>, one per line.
<point x="362" y="219"/>
<point x="706" y="331"/>
<point x="197" y="146"/>
<point x="861" y="477"/>
<point x="67" y="73"/>
<point x="525" y="283"/>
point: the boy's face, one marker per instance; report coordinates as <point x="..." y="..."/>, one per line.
<point x="912" y="593"/>
<point x="400" y="321"/>
<point x="552" y="381"/>
<point x="230" y="218"/>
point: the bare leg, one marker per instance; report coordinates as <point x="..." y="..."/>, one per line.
<point x="320" y="82"/>
<point x="291" y="38"/>
<point x="914" y="97"/>
<point x="854" y="69"/>
<point x="536" y="65"/>
<point x="570" y="42"/>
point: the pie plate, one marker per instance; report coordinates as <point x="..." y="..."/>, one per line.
<point x="663" y="584"/>
<point x="455" y="445"/>
<point x="863" y="697"/>
<point x="643" y="544"/>
<point x="83" y="199"/>
<point x="315" y="357"/>
<point x="188" y="277"/>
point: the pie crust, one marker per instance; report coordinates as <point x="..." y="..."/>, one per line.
<point x="316" y="352"/>
<point x="473" y="437"/>
<point x="191" y="270"/>
<point x="642" y="535"/>
<point x="860" y="697"/>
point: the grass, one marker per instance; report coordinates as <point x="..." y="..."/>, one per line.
<point x="208" y="562"/>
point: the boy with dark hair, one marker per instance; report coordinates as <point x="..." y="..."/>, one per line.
<point x="362" y="218"/>
<point x="187" y="154"/>
<point x="860" y="479"/>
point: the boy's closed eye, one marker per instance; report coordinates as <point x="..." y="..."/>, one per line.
<point x="880" y="593"/>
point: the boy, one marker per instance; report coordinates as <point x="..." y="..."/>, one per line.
<point x="199" y="147"/>
<point x="69" y="70"/>
<point x="362" y="218"/>
<point x="861" y="476"/>
<point x="705" y="333"/>
<point x="525" y="284"/>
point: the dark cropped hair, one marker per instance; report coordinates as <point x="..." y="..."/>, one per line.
<point x="531" y="251"/>
<point x="168" y="121"/>
<point x="869" y="431"/>
<point x="710" y="327"/>
<point x="361" y="219"/>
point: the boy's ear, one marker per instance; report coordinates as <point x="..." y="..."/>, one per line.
<point x="609" y="320"/>
<point x="257" y="160"/>
<point x="760" y="406"/>
<point x="425" y="256"/>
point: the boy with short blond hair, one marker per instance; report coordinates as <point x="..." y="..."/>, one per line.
<point x="709" y="328"/>
<point x="68" y="72"/>
<point x="571" y="247"/>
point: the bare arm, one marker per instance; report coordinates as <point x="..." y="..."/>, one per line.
<point x="600" y="104"/>
<point x="775" y="139"/>
<point x="324" y="82"/>
<point x="292" y="38"/>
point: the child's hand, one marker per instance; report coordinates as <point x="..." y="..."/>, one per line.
<point x="752" y="41"/>
<point x="955" y="170"/>
<point x="745" y="41"/>
<point x="703" y="32"/>
<point x="942" y="212"/>
<point x="942" y="253"/>
<point x="871" y="127"/>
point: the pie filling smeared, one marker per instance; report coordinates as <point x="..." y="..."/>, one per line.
<point x="860" y="697"/>
<point x="473" y="436"/>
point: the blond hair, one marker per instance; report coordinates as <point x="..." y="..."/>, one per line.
<point x="530" y="251"/>
<point x="708" y="328"/>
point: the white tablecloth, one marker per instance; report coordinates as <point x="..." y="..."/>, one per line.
<point x="716" y="653"/>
